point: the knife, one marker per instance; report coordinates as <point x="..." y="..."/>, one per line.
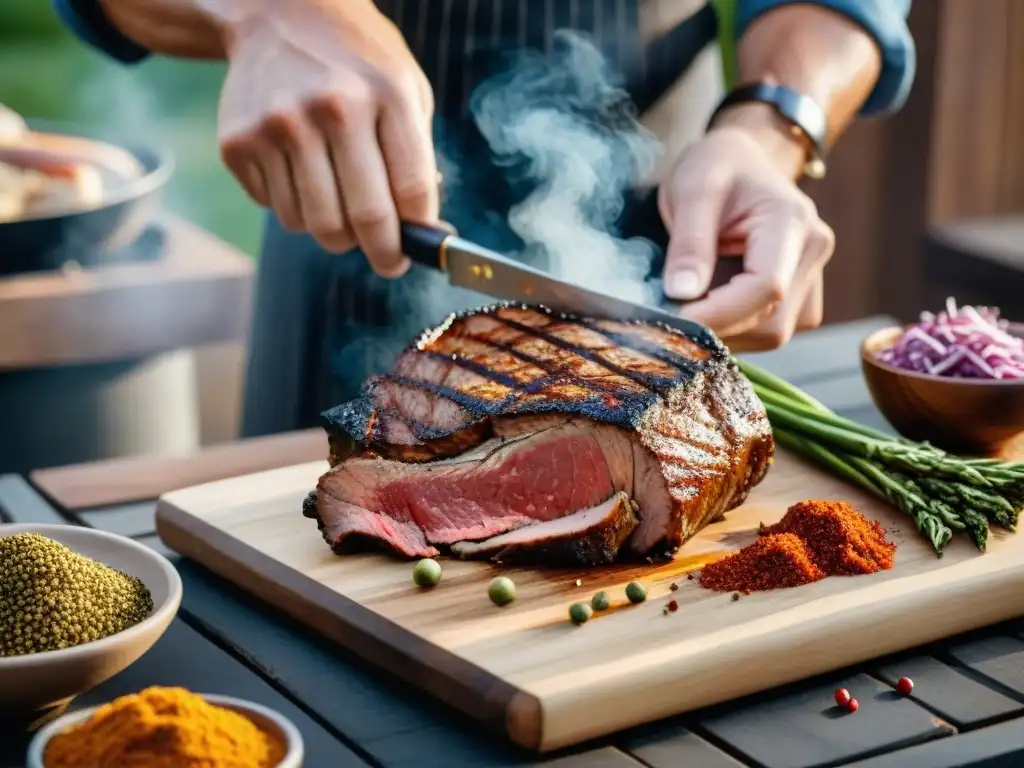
<point x="472" y="266"/>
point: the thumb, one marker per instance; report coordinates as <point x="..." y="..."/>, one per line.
<point x="692" y="247"/>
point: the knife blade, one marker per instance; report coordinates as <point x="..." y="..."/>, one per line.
<point x="472" y="266"/>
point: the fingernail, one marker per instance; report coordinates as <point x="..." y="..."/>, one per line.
<point x="684" y="284"/>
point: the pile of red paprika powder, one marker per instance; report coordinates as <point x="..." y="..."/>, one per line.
<point x="813" y="540"/>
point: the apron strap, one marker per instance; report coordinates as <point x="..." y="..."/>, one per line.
<point x="726" y="12"/>
<point x="662" y="63"/>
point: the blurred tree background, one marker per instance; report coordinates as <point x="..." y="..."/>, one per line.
<point x="48" y="74"/>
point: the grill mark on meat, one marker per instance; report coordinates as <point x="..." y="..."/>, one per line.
<point x="555" y="373"/>
<point x="658" y="384"/>
<point x="628" y="336"/>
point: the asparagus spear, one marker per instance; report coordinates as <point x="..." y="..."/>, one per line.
<point x="941" y="492"/>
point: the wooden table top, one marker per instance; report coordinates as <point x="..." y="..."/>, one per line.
<point x="967" y="708"/>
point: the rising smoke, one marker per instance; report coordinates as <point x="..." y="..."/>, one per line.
<point x="558" y="126"/>
<point x="567" y="117"/>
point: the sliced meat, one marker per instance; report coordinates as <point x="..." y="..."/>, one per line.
<point x="513" y="480"/>
<point x="589" y="537"/>
<point x="512" y="416"/>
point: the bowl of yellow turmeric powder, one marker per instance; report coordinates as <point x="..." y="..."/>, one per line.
<point x="169" y="726"/>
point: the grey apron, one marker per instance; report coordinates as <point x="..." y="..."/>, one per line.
<point x="324" y="323"/>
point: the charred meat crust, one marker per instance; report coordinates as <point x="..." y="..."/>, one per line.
<point x="358" y="425"/>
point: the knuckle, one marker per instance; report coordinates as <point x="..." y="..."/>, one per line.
<point x="398" y="88"/>
<point x="342" y="105"/>
<point x="773" y="337"/>
<point x="283" y="129"/>
<point x="332" y="239"/>
<point x="369" y="217"/>
<point x="802" y="209"/>
<point x="825" y="240"/>
<point x="715" y="181"/>
<point x="290" y="221"/>
<point x="236" y="150"/>
<point x="810" y="319"/>
<point x="775" y="291"/>
<point x="413" y="188"/>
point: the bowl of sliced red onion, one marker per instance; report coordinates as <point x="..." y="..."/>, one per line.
<point x="954" y="378"/>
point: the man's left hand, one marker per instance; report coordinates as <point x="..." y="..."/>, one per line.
<point x="730" y="193"/>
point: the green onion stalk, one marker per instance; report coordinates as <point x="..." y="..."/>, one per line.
<point x="942" y="493"/>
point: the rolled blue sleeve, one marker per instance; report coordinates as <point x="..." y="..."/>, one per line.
<point x="86" y="19"/>
<point x="885" y="21"/>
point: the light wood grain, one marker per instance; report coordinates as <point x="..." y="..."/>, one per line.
<point x="143" y="478"/>
<point x="547" y="683"/>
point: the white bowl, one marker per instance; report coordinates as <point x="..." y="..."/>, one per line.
<point x="39" y="680"/>
<point x="266" y="719"/>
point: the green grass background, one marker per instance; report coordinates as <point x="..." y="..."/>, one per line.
<point x="47" y="73"/>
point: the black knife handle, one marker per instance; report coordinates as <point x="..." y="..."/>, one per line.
<point x="424" y="245"/>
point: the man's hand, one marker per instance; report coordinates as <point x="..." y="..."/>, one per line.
<point x="325" y="117"/>
<point x="732" y="192"/>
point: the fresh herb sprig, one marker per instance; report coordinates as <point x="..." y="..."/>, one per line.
<point x="942" y="493"/>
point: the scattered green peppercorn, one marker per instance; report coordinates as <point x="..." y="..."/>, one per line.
<point x="579" y="613"/>
<point x="636" y="592"/>
<point x="426" y="573"/>
<point x="501" y="590"/>
<point x="52" y="597"/>
<point x="600" y="602"/>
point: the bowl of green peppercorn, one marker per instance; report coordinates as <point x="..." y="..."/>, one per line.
<point x="77" y="606"/>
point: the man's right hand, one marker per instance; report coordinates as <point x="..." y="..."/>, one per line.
<point x="325" y="117"/>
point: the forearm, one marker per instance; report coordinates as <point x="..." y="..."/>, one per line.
<point x="814" y="51"/>
<point x="195" y="29"/>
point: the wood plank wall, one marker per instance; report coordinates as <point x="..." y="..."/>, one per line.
<point x="956" y="150"/>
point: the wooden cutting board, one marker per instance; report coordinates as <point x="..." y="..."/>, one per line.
<point x="525" y="669"/>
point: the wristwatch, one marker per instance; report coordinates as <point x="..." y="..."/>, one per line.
<point x="805" y="116"/>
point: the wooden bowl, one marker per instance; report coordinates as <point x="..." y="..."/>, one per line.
<point x="38" y="681"/>
<point x="269" y="721"/>
<point x="975" y="416"/>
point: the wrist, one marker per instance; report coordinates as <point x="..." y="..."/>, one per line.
<point x="786" y="146"/>
<point x="183" y="28"/>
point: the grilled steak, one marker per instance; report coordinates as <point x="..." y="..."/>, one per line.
<point x="516" y="419"/>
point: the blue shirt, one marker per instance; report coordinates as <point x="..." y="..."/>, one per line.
<point x="884" y="20"/>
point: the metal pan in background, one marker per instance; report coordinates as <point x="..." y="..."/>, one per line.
<point x="134" y="178"/>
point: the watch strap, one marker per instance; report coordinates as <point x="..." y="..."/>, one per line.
<point x="802" y="112"/>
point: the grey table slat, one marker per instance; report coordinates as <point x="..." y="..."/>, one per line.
<point x="821" y="353"/>
<point x="154" y="542"/>
<point x="672" y="746"/>
<point x="127" y="520"/>
<point x="606" y="757"/>
<point x="448" y="747"/>
<point x="24" y="505"/>
<point x="869" y="416"/>
<point x="954" y="696"/>
<point x="999" y="658"/>
<point x="803" y="728"/>
<point x="997" y="746"/>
